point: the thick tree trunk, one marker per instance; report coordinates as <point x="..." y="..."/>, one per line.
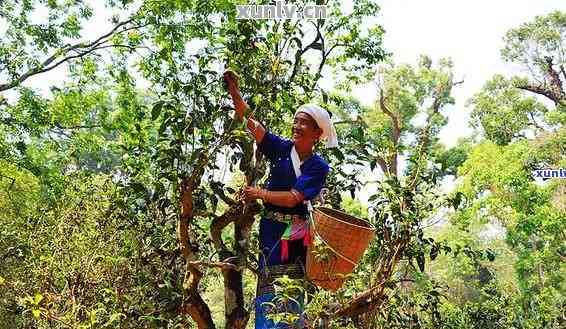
<point x="193" y="304"/>
<point x="236" y="315"/>
<point x="196" y="307"/>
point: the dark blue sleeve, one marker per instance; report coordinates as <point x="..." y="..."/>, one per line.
<point x="272" y="146"/>
<point x="312" y="179"/>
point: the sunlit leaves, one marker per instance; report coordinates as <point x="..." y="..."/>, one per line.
<point x="503" y="113"/>
<point x="531" y="42"/>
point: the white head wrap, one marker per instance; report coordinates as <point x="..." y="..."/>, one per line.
<point x="322" y="119"/>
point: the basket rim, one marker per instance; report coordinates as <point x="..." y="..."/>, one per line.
<point x="369" y="228"/>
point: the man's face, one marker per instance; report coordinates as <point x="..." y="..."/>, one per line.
<point x="305" y="129"/>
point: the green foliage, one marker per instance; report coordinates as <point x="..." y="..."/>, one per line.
<point x="503" y="113"/>
<point x="87" y="265"/>
<point x="532" y="42"/>
<point x="90" y="172"/>
<point x="451" y="159"/>
<point x="354" y="207"/>
<point x="64" y="24"/>
<point x="498" y="180"/>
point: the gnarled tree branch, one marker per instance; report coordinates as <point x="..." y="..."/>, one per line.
<point x="82" y="49"/>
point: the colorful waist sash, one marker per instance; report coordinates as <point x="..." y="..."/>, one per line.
<point x="297" y="229"/>
<point x="281" y="217"/>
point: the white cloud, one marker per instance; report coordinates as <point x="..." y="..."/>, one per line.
<point x="469" y="32"/>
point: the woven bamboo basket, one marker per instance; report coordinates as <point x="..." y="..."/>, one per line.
<point x="339" y="240"/>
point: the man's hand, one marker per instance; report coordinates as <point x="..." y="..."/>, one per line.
<point x="252" y="193"/>
<point x="232" y="84"/>
<point x="231" y="80"/>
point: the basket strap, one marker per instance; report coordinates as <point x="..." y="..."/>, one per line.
<point x="297" y="168"/>
<point x="295" y="160"/>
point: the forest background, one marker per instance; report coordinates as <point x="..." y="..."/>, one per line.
<point x="120" y="162"/>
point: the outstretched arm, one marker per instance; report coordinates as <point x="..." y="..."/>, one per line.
<point x="241" y="106"/>
<point x="287" y="199"/>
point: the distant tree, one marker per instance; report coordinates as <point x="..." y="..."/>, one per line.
<point x="539" y="47"/>
<point x="525" y="133"/>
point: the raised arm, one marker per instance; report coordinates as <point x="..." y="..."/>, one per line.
<point x="280" y="198"/>
<point x="241" y="106"/>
